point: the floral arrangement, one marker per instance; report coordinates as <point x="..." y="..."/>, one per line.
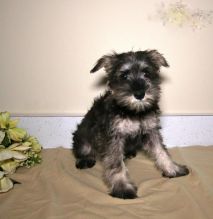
<point x="17" y="149"/>
<point x="180" y="14"/>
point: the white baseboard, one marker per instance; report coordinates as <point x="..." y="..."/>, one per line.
<point x="176" y="130"/>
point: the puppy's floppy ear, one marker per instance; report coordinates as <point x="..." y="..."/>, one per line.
<point x="103" y="62"/>
<point x="157" y="58"/>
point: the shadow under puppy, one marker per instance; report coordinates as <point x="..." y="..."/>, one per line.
<point x="124" y="120"/>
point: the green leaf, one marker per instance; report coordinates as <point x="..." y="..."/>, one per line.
<point x="6" y="154"/>
<point x="9" y="166"/>
<point x="2" y="135"/>
<point x="2" y="147"/>
<point x="13" y="123"/>
<point x="1" y="174"/>
<point x="5" y="184"/>
<point x="20" y="146"/>
<point x="36" y="147"/>
<point x="13" y="145"/>
<point x="27" y="144"/>
<point x="17" y="134"/>
<point x="4" y="119"/>
<point x="32" y="160"/>
<point x="32" y="139"/>
<point x="6" y="142"/>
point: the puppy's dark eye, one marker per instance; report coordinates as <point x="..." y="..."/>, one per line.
<point x="124" y="74"/>
<point x="145" y="71"/>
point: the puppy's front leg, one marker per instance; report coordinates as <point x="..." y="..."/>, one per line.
<point x="116" y="173"/>
<point x="155" y="148"/>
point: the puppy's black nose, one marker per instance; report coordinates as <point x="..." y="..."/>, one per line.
<point x="139" y="95"/>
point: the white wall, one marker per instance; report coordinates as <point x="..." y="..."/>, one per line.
<point x="47" y="48"/>
<point x="176" y="130"/>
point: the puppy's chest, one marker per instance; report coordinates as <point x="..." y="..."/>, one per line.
<point x="127" y="126"/>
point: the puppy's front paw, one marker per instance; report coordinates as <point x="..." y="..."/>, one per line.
<point x="85" y="163"/>
<point x="181" y="170"/>
<point x="130" y="155"/>
<point x="128" y="191"/>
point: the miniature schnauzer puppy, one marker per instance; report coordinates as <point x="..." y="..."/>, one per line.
<point x="125" y="120"/>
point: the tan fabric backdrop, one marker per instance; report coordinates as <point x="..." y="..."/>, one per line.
<point x="57" y="190"/>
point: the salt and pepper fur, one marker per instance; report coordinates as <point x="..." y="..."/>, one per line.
<point x="125" y="120"/>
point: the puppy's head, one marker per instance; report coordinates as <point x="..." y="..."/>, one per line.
<point x="133" y="77"/>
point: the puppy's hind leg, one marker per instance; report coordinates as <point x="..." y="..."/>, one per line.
<point x="84" y="154"/>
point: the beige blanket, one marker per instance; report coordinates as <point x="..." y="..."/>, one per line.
<point x="56" y="189"/>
